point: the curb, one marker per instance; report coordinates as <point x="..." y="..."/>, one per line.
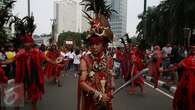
<point x="162" y="84"/>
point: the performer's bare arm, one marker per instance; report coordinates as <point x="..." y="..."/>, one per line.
<point x="50" y="60"/>
<point x="83" y="77"/>
<point x="7" y="62"/>
<point x="174" y="68"/>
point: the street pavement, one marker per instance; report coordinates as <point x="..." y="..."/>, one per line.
<point x="65" y="98"/>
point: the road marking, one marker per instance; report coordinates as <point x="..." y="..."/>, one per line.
<point x="157" y="89"/>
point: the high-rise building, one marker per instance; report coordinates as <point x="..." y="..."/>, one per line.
<point x="69" y="17"/>
<point x="118" y="20"/>
<point x="65" y="14"/>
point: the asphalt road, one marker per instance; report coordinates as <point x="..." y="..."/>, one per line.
<point x="65" y="98"/>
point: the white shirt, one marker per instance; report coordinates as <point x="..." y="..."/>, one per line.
<point x="167" y="50"/>
<point x="76" y="59"/>
<point x="70" y="55"/>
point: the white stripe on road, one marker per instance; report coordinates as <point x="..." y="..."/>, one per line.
<point x="157" y="89"/>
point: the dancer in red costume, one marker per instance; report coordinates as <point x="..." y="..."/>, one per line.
<point x="136" y="57"/>
<point x="29" y="70"/>
<point x="123" y="62"/>
<point x="28" y="62"/>
<point x="52" y="71"/>
<point x="184" y="98"/>
<point x="95" y="83"/>
<point x="96" y="77"/>
<point x="3" y="78"/>
<point x="154" y="65"/>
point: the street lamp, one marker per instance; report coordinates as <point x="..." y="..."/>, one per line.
<point x="188" y="34"/>
<point x="144" y="19"/>
<point x="28" y="7"/>
<point x="145" y="4"/>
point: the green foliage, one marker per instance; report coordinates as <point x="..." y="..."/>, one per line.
<point x="5" y="13"/>
<point x="75" y="37"/>
<point x="98" y="6"/>
<point x="166" y="22"/>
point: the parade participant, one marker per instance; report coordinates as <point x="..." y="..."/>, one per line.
<point x="123" y="62"/>
<point x="28" y="62"/>
<point x="184" y="98"/>
<point x="136" y="66"/>
<point x="96" y="77"/>
<point x="52" y="71"/>
<point x="76" y="61"/>
<point x="154" y="65"/>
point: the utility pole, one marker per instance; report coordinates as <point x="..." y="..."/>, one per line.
<point x="53" y="31"/>
<point x="144" y="19"/>
<point x="28" y="7"/>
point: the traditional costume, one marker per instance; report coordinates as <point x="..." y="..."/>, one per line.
<point x="123" y="63"/>
<point x="184" y="98"/>
<point x="29" y="71"/>
<point x="51" y="69"/>
<point x="135" y="67"/>
<point x="154" y="65"/>
<point x="3" y="78"/>
<point x="28" y="63"/>
<point x="96" y="77"/>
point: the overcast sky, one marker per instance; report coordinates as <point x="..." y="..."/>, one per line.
<point x="43" y="12"/>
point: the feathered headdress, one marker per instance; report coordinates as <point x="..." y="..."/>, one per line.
<point x="24" y="28"/>
<point x="99" y="23"/>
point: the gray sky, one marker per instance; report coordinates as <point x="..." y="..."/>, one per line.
<point x="43" y="12"/>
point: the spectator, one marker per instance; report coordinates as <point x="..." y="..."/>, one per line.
<point x="76" y="61"/>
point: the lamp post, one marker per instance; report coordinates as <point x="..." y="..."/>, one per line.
<point x="28" y="7"/>
<point x="144" y="19"/>
<point x="188" y="35"/>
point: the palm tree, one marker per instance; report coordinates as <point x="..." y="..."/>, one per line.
<point x="4" y="17"/>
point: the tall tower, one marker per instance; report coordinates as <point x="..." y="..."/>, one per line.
<point x="69" y="16"/>
<point x="118" y="20"/>
<point x="66" y="15"/>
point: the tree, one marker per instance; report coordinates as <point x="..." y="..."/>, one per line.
<point x="73" y="36"/>
<point x="166" y="22"/>
<point x="5" y="14"/>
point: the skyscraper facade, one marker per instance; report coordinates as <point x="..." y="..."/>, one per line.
<point x="69" y="17"/>
<point x="118" y="20"/>
<point x="65" y="14"/>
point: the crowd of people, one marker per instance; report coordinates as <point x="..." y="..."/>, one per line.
<point x="95" y="66"/>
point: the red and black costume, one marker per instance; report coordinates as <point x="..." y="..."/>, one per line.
<point x="51" y="70"/>
<point x="96" y="78"/>
<point x="3" y="78"/>
<point x="28" y="60"/>
<point x="135" y="67"/>
<point x="123" y="63"/>
<point x="29" y="72"/>
<point x="154" y="65"/>
<point x="184" y="98"/>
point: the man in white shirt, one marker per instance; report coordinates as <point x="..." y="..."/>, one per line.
<point x="167" y="50"/>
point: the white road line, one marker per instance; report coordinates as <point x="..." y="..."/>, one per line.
<point x="157" y="89"/>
